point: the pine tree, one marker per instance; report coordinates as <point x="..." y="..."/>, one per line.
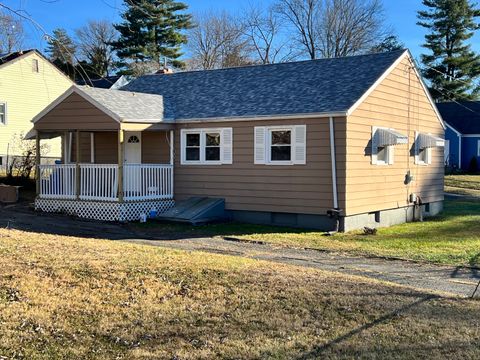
<point x="152" y="31"/>
<point x="61" y="50"/>
<point x="451" y="66"/>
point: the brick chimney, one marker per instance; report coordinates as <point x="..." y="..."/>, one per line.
<point x="164" y="70"/>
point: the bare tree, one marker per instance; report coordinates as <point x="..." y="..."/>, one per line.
<point x="304" y="16"/>
<point x="94" y="44"/>
<point x="350" y="27"/>
<point x="217" y="41"/>
<point x="11" y="33"/>
<point x="334" y="28"/>
<point x="262" y="28"/>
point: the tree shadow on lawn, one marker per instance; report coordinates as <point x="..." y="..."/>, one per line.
<point x="397" y="345"/>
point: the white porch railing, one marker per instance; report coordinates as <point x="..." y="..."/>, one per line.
<point x="98" y="182"/>
<point x="147" y="182"/>
<point x="58" y="182"/>
<point x="101" y="182"/>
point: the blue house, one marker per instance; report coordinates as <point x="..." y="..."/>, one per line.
<point x="462" y="136"/>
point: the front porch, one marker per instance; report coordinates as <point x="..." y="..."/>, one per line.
<point x="117" y="155"/>
<point x="94" y="190"/>
<point x="121" y="188"/>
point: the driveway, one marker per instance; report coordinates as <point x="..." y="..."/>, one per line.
<point x="443" y="280"/>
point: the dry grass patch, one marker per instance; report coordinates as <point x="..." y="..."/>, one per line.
<point x="70" y="298"/>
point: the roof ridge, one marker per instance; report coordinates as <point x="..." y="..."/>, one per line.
<point x="400" y="51"/>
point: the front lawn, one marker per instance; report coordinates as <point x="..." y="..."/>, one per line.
<point x="452" y="238"/>
<point x="72" y="298"/>
<point x="463" y="184"/>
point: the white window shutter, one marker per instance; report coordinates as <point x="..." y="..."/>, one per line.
<point x="260" y="145"/>
<point x="391" y="155"/>
<point x="300" y="145"/>
<point x="374" y="146"/>
<point x="182" y="147"/>
<point x="227" y="146"/>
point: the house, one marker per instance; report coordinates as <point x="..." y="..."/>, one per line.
<point x="107" y="82"/>
<point x="28" y="83"/>
<point x="292" y="144"/>
<point x="462" y="136"/>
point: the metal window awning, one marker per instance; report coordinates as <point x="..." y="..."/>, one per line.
<point x="388" y="137"/>
<point x="429" y="141"/>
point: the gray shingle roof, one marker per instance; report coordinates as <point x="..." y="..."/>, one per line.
<point x="129" y="106"/>
<point x="464" y="116"/>
<point x="306" y="87"/>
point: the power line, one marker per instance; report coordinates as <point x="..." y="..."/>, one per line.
<point x="452" y="99"/>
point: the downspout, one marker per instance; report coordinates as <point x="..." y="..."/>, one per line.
<point x="334" y="164"/>
<point x="335" y="212"/>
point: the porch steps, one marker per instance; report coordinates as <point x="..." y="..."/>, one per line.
<point x="196" y="210"/>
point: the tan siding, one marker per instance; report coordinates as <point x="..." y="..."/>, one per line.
<point x="85" y="148"/>
<point x="400" y="103"/>
<point x="155" y="147"/>
<point x="75" y="113"/>
<point x="106" y="148"/>
<point x="245" y="186"/>
<point x="27" y="93"/>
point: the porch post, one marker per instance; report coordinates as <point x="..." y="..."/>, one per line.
<point x="172" y="162"/>
<point x="120" y="165"/>
<point x="172" y="148"/>
<point x="77" y="164"/>
<point x="37" y="163"/>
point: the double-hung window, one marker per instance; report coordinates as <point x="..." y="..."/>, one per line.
<point x="3" y="113"/>
<point x="206" y="146"/>
<point x="280" y="145"/>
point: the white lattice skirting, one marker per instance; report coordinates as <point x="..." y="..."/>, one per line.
<point x="100" y="210"/>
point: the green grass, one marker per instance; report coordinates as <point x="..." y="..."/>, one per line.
<point x="71" y="298"/>
<point x="453" y="238"/>
<point x="463" y="181"/>
<point x="467" y="185"/>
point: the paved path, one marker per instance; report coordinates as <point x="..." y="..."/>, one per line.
<point x="458" y="281"/>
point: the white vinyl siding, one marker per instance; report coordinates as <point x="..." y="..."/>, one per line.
<point x="206" y="146"/>
<point x="291" y="149"/>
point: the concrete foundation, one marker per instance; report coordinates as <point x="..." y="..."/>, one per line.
<point x="382" y="218"/>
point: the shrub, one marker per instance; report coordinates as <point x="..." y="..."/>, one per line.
<point x="473" y="166"/>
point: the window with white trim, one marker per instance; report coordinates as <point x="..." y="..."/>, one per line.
<point x="383" y="145"/>
<point x="280" y="145"/>
<point x="206" y="146"/>
<point x="424" y="143"/>
<point x="478" y="147"/>
<point x="384" y="155"/>
<point x="3" y="113"/>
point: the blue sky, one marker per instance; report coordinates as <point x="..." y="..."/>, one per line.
<point x="70" y="14"/>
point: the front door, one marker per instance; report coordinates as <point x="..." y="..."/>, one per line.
<point x="133" y="147"/>
<point x="133" y="157"/>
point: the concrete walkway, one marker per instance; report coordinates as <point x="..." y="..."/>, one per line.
<point x="449" y="281"/>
